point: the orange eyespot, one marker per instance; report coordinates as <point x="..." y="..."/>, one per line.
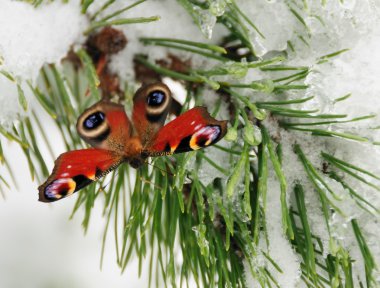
<point x="60" y="188"/>
<point x="204" y="137"/>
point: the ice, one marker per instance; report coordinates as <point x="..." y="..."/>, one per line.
<point x="354" y="72"/>
<point x="273" y="19"/>
<point x="332" y="27"/>
<point x="341" y="77"/>
<point x="252" y="134"/>
<point x="218" y="7"/>
<point x="207" y="21"/>
<point x="203" y="243"/>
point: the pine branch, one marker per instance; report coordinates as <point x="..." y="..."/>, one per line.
<point x="157" y="212"/>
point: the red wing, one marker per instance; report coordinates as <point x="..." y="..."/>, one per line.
<point x="76" y="169"/>
<point x="150" y="109"/>
<point x="105" y="125"/>
<point x="192" y="130"/>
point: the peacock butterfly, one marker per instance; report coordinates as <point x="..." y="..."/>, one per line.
<point x="106" y="127"/>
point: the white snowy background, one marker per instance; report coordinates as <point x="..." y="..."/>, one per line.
<point x="39" y="247"/>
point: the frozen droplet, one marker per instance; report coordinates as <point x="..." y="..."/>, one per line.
<point x="218" y="7"/>
<point x="231" y="135"/>
<point x="200" y="234"/>
<point x="315" y="25"/>
<point x="265" y="85"/>
<point x="348" y="4"/>
<point x="260" y="114"/>
<point x="258" y="45"/>
<point x="236" y="69"/>
<point x="206" y="21"/>
<point x="252" y="134"/>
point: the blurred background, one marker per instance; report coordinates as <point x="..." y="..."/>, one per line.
<point x="41" y="248"/>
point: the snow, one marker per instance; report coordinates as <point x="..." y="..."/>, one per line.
<point x="31" y="37"/>
<point x="122" y="62"/>
<point x="280" y="249"/>
<point x="8" y="99"/>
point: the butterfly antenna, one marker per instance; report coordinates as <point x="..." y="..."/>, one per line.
<point x="150" y="182"/>
<point x="162" y="170"/>
<point x="103" y="184"/>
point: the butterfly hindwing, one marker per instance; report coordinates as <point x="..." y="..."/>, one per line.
<point x="76" y="169"/>
<point x="190" y="131"/>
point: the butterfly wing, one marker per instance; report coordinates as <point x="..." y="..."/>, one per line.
<point x="76" y="169"/>
<point x="105" y="125"/>
<point x="150" y="109"/>
<point x="190" y="131"/>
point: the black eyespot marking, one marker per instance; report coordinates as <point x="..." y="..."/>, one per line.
<point x="184" y="145"/>
<point x="155" y="118"/>
<point x="101" y="137"/>
<point x="167" y="148"/>
<point x="201" y="141"/>
<point x="156" y="98"/>
<point x="94" y="120"/>
<point x="81" y="181"/>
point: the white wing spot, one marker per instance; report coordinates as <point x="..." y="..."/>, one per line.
<point x="69" y="166"/>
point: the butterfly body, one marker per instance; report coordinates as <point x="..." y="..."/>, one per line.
<point x="106" y="127"/>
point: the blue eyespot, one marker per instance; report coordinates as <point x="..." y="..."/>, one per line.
<point x="156" y="98"/>
<point x="94" y="120"/>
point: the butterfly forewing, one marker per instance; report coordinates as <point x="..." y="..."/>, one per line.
<point x="105" y="125"/>
<point x="151" y="105"/>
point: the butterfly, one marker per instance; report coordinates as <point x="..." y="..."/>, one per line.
<point x="115" y="139"/>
